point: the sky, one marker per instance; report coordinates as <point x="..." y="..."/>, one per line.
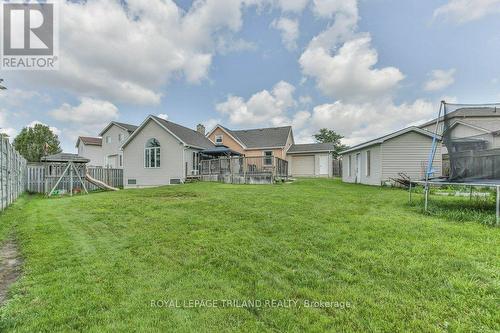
<point x="362" y="68"/>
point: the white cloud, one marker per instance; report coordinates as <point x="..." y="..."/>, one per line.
<point x="440" y="79"/>
<point x="17" y="97"/>
<point x="462" y="11"/>
<point x="127" y="53"/>
<point x="329" y="8"/>
<point x="4" y="125"/>
<point x="264" y="107"/>
<point x="365" y="121"/>
<point x="163" y="116"/>
<point x="289" y="29"/>
<point x="349" y="74"/>
<point x="305" y="100"/>
<point x="292" y="5"/>
<point x="54" y="129"/>
<point x="88" y="112"/>
<point x="211" y="123"/>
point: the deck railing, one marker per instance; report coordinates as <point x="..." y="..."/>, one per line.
<point x="244" y="169"/>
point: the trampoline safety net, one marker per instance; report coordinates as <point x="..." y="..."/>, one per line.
<point x="471" y="142"/>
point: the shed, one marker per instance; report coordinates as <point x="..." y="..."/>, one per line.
<point x="310" y="160"/>
<point x="377" y="161"/>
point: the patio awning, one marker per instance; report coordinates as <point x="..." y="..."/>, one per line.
<point x="220" y="151"/>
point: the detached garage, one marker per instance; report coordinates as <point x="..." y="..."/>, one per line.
<point x="310" y="160"/>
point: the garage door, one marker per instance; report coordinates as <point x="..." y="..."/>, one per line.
<point x="303" y="165"/>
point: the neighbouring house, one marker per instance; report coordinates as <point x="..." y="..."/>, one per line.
<point x="90" y="148"/>
<point x="113" y="136"/>
<point x="377" y="161"/>
<point x="407" y="151"/>
<point x="310" y="160"/>
<point x="160" y="152"/>
<point x="480" y="118"/>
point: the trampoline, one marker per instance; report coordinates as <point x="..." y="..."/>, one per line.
<point x="471" y="146"/>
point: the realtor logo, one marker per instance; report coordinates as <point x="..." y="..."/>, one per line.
<point x="29" y="36"/>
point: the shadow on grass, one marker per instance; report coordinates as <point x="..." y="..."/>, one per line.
<point x="458" y="209"/>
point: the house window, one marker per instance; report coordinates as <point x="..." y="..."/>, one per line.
<point x="108" y="139"/>
<point x="196" y="162"/>
<point x="120" y="160"/>
<point x="368" y="163"/>
<point x="120" y="137"/>
<point x="218" y="139"/>
<point x="268" y="157"/>
<point x="349" y="165"/>
<point x="152" y="154"/>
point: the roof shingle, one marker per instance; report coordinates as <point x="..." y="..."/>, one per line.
<point x="187" y="135"/>
<point x="89" y="140"/>
<point x="262" y="137"/>
<point x="311" y="147"/>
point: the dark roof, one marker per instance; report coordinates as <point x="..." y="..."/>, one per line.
<point x="65" y="157"/>
<point x="187" y="135"/>
<point x="466" y="112"/>
<point x="262" y="137"/>
<point x="220" y="150"/>
<point x="89" y="140"/>
<point x="310" y="148"/>
<point x="131" y="128"/>
<point x="128" y="127"/>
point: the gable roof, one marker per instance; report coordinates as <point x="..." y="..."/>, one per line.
<point x="388" y="137"/>
<point x="467" y="112"/>
<point x="65" y="157"/>
<point x="228" y="132"/>
<point x="89" y="140"/>
<point x="478" y="128"/>
<point x="310" y="148"/>
<point x="127" y="127"/>
<point x="185" y="135"/>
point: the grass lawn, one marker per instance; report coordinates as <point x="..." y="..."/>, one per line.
<point x="94" y="263"/>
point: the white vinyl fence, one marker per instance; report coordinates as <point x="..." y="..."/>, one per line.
<point x="12" y="173"/>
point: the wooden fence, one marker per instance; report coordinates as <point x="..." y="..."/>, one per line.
<point x="41" y="180"/>
<point x="337" y="168"/>
<point x="12" y="173"/>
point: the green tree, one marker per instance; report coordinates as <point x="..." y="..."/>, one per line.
<point x="37" y="141"/>
<point x="326" y="135"/>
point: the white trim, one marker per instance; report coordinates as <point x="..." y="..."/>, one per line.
<point x="265" y="156"/>
<point x="150" y="117"/>
<point x="154" y="149"/>
<point x="469" y="125"/>
<point x="230" y="135"/>
<point x="368" y="164"/>
<point x="219" y="136"/>
<point x="309" y="152"/>
<point x="261" y="148"/>
<point x="109" y="125"/>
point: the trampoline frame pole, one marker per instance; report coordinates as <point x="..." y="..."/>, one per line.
<point x="426" y="196"/>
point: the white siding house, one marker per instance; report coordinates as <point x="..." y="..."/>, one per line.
<point x="376" y="162"/>
<point x="113" y="137"/>
<point x="160" y="153"/>
<point x="91" y="148"/>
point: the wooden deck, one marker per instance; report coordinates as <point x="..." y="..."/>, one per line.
<point x="244" y="170"/>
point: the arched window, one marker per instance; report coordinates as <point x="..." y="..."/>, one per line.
<point x="152" y="154"/>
